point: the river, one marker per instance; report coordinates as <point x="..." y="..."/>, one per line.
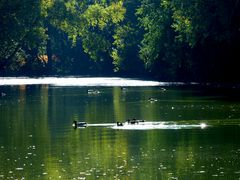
<point x="38" y="141"/>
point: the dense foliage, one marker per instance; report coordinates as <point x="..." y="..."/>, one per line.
<point x="187" y="40"/>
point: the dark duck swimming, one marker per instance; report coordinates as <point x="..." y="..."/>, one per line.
<point x="119" y="124"/>
<point x="134" y="121"/>
<point x="77" y="124"/>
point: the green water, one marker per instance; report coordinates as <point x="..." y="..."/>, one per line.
<point x="37" y="140"/>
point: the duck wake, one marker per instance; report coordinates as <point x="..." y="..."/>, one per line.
<point x="158" y="125"/>
<point x="148" y="125"/>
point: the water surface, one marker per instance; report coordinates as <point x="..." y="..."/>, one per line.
<point x="37" y="140"/>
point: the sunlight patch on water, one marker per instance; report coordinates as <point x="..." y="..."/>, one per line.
<point x="149" y="125"/>
<point x="81" y="81"/>
<point x="102" y="125"/>
<point x="158" y="125"/>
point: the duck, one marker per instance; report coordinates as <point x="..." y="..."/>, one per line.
<point x="134" y="121"/>
<point x="123" y="89"/>
<point x="93" y="92"/>
<point x="79" y="124"/>
<point x="152" y="99"/>
<point x="119" y="124"/>
<point x="163" y="89"/>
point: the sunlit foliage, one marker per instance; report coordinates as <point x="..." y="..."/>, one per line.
<point x="174" y="39"/>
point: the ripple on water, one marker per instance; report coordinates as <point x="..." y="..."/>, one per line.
<point x="200" y="172"/>
<point x="81" y="178"/>
<point x="19" y="169"/>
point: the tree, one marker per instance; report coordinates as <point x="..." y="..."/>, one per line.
<point x="159" y="51"/>
<point x="193" y="37"/>
<point x="19" y="22"/>
<point x="126" y="43"/>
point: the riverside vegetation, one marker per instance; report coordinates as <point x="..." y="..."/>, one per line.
<point x="187" y="40"/>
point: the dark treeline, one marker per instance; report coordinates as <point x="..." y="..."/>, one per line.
<point x="172" y="40"/>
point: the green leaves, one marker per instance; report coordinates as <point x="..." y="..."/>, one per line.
<point x="116" y="12"/>
<point x="45" y="6"/>
<point x="122" y="41"/>
<point x="98" y="15"/>
<point x="18" y="22"/>
<point x="169" y="36"/>
<point x="97" y="33"/>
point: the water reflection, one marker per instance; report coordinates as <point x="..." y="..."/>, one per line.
<point x="37" y="140"/>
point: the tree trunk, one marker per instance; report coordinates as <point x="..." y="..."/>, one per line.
<point x="49" y="50"/>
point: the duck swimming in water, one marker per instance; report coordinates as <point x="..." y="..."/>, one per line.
<point x="119" y="124"/>
<point x="152" y="100"/>
<point x="79" y="124"/>
<point x="134" y="121"/>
